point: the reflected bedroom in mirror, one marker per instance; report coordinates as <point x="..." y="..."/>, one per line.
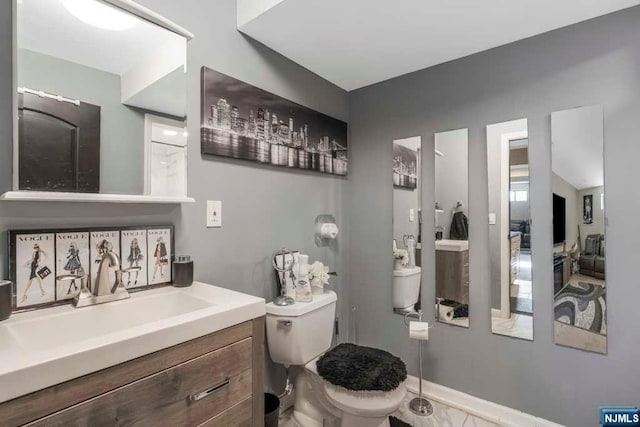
<point x="452" y="227"/>
<point x="579" y="223"/>
<point x="510" y="229"/>
<point x="407" y="225"/>
<point x="101" y="107"/>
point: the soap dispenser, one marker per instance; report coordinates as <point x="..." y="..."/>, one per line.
<point x="303" y="285"/>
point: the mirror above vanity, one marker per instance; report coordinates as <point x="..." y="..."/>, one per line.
<point x="100" y="104"/>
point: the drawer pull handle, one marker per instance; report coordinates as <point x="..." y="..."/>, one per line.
<point x="209" y="392"/>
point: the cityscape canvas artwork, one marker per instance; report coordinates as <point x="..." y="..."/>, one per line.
<point x="244" y="122"/>
<point x="405" y="166"/>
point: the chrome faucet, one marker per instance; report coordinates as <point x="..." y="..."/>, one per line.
<point x="102" y="291"/>
<point x="107" y="260"/>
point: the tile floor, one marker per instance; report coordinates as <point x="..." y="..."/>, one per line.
<point x="518" y="326"/>
<point x="463" y="321"/>
<point x="443" y="416"/>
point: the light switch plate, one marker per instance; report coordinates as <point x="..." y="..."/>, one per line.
<point x="412" y="215"/>
<point x="214" y="213"/>
<point x="492" y="218"/>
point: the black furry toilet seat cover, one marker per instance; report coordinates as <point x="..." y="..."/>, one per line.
<point x="359" y="368"/>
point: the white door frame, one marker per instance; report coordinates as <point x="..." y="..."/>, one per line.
<point x="505" y="215"/>
<point x="149" y="120"/>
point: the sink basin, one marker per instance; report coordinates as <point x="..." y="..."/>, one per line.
<point x="45" y="333"/>
<point x="41" y="348"/>
<point x="452" y="245"/>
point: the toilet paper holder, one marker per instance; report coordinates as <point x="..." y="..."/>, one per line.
<point x="326" y="230"/>
<point x="419" y="405"/>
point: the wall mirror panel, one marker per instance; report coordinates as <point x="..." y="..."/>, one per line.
<point x="579" y="222"/>
<point x="101" y="101"/>
<point x="510" y="229"/>
<point x="452" y="227"/>
<point x="407" y="224"/>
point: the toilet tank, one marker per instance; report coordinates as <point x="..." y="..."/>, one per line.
<point x="298" y="333"/>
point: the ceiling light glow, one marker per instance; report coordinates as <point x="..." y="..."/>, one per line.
<point x="99" y="15"/>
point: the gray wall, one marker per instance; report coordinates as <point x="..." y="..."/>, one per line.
<point x="595" y="62"/>
<point x="121" y="127"/>
<point x="264" y="208"/>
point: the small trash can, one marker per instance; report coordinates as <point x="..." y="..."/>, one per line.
<point x="271" y="410"/>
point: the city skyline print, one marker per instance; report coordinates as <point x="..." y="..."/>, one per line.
<point x="244" y="122"/>
<point x="405" y="166"/>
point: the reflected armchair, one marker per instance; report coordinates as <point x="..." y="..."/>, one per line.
<point x="592" y="260"/>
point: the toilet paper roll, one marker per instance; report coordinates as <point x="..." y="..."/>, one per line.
<point x="445" y="313"/>
<point x="329" y="231"/>
<point x="419" y="330"/>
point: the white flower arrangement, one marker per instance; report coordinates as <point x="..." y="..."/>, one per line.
<point x="402" y="255"/>
<point x="318" y="274"/>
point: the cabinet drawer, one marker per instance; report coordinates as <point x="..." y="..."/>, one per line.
<point x="237" y="416"/>
<point x="220" y="379"/>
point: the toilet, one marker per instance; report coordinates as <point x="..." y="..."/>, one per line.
<point x="406" y="288"/>
<point x="297" y="335"/>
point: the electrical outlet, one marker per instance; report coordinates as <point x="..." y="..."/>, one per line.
<point x="412" y="215"/>
<point x="214" y="213"/>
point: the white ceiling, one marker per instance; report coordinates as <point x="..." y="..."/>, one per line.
<point x="356" y="43"/>
<point x="47" y="27"/>
<point x="577" y="146"/>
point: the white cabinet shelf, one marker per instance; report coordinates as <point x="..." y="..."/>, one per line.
<point x="51" y="196"/>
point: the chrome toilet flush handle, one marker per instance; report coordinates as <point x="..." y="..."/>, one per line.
<point x="285" y="323"/>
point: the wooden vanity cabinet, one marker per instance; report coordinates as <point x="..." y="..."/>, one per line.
<point x="214" y="381"/>
<point x="452" y="275"/>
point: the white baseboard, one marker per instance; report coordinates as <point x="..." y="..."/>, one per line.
<point x="498" y="414"/>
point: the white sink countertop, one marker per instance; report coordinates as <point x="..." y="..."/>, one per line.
<point x="452" y="245"/>
<point x="44" y="347"/>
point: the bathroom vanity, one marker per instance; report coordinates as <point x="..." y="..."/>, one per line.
<point x="189" y="356"/>
<point x="452" y="270"/>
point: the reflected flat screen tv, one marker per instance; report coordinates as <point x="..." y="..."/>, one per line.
<point x="559" y="219"/>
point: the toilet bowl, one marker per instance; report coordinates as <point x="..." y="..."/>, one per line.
<point x="353" y="408"/>
<point x="406" y="287"/>
<point x="298" y="335"/>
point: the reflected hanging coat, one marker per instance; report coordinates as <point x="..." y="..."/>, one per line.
<point x="459" y="229"/>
